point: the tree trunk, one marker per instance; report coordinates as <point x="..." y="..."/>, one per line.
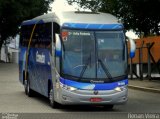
<point x="157" y="30"/>
<point x="1" y="43"/>
<point x="0" y="48"/>
<point x="0" y="54"/>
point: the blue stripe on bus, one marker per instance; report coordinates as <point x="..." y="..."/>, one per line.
<point x="31" y="22"/>
<point x="93" y="26"/>
<point x="90" y="86"/>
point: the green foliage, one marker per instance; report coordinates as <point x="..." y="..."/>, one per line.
<point x="143" y="16"/>
<point x="13" y="12"/>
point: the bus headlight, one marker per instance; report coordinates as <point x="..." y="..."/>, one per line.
<point x="119" y="89"/>
<point x="70" y="88"/>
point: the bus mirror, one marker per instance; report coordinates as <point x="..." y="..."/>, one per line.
<point x="132" y="48"/>
<point x="58" y="49"/>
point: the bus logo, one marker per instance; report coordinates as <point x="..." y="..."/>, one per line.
<point x="40" y="58"/>
<point x="95" y="92"/>
<point x="121" y="83"/>
<point x="92" y="81"/>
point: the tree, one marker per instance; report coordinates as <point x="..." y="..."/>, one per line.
<point x="140" y="15"/>
<point x="13" y="12"/>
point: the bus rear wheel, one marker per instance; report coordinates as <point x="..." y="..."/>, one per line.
<point x="53" y="104"/>
<point x="28" y="90"/>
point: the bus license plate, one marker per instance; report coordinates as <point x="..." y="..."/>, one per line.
<point x="95" y="99"/>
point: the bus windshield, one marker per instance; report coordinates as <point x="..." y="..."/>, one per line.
<point x="93" y="55"/>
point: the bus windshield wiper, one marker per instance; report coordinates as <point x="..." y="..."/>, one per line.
<point x="105" y="69"/>
<point x="85" y="67"/>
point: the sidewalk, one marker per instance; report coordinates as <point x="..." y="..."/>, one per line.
<point x="145" y="85"/>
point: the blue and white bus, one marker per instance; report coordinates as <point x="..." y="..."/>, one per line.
<point x="75" y="58"/>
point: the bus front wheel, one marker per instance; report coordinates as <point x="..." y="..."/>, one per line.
<point x="53" y="104"/>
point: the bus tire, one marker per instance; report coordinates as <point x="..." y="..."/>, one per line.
<point x="25" y="82"/>
<point x="53" y="104"/>
<point x="28" y="90"/>
<point x="25" y="86"/>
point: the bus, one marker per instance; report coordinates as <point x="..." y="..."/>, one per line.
<point x="75" y="58"/>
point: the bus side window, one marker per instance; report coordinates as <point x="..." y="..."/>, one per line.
<point x="25" y="35"/>
<point x="56" y="30"/>
<point x="42" y="36"/>
<point x="48" y="34"/>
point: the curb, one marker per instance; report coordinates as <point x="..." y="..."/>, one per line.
<point x="144" y="89"/>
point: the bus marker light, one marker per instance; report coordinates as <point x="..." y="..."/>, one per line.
<point x="64" y="35"/>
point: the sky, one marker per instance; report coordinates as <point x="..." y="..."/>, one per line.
<point x="62" y="5"/>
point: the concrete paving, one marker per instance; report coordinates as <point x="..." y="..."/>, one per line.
<point x="12" y="96"/>
<point x="145" y="85"/>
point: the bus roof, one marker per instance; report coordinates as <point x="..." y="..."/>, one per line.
<point x="75" y="17"/>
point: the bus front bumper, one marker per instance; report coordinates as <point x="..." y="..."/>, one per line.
<point x="98" y="97"/>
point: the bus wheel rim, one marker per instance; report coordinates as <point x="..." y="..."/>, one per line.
<point x="51" y="96"/>
<point x="28" y="87"/>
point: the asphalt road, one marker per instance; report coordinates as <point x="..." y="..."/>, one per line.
<point x="14" y="100"/>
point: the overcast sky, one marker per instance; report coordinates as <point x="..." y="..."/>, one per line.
<point x="62" y="5"/>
